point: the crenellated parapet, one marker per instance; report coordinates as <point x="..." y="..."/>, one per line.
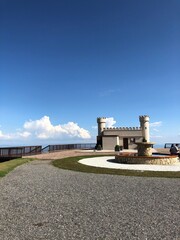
<point x="144" y="118"/>
<point x="100" y="118"/>
<point x="123" y="128"/>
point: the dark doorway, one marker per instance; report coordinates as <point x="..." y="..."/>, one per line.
<point x="125" y="143"/>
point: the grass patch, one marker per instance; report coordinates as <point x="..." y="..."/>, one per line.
<point x="6" y="167"/>
<point x="71" y="163"/>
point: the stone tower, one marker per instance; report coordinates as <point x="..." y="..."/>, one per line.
<point x="144" y="123"/>
<point x="101" y="124"/>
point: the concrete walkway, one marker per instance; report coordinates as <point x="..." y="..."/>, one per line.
<point x="41" y="202"/>
<point x="106" y="162"/>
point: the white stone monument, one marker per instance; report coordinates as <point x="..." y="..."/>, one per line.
<point x="145" y="147"/>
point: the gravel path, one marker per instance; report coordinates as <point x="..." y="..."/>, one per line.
<point x="39" y="202"/>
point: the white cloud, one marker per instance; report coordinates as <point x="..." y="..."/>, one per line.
<point x="24" y="134"/>
<point x="156" y="136"/>
<point x="73" y="130"/>
<point x="156" y="124"/>
<point x="110" y="122"/>
<point x="43" y="129"/>
<point x="5" y="136"/>
<point x="155" y="130"/>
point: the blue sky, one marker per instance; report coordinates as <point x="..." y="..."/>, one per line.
<point x="65" y="63"/>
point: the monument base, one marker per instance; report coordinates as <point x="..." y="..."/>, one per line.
<point x="145" y="148"/>
<point x="156" y="160"/>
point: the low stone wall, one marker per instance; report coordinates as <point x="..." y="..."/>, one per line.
<point x="158" y="160"/>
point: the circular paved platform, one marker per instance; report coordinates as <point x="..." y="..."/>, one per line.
<point x="107" y="162"/>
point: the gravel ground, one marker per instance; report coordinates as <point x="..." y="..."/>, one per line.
<point x="39" y="202"/>
<point x="67" y="153"/>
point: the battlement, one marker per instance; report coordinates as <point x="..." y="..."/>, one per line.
<point x="101" y="119"/>
<point x="143" y="118"/>
<point x="123" y="128"/>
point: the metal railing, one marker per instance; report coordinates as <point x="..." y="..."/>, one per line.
<point x="168" y="145"/>
<point x="19" y="151"/>
<point x="16" y="152"/>
<point x="61" y="147"/>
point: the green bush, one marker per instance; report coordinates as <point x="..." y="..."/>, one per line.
<point x="99" y="147"/>
<point x="118" y="148"/>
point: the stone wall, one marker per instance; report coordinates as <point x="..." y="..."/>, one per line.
<point x="123" y="132"/>
<point x="158" y="160"/>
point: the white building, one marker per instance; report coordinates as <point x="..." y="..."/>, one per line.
<point x="126" y="137"/>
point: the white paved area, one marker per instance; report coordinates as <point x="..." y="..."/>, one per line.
<point x="105" y="162"/>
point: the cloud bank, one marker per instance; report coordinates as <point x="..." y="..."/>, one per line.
<point x="110" y="122"/>
<point x="43" y="129"/>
